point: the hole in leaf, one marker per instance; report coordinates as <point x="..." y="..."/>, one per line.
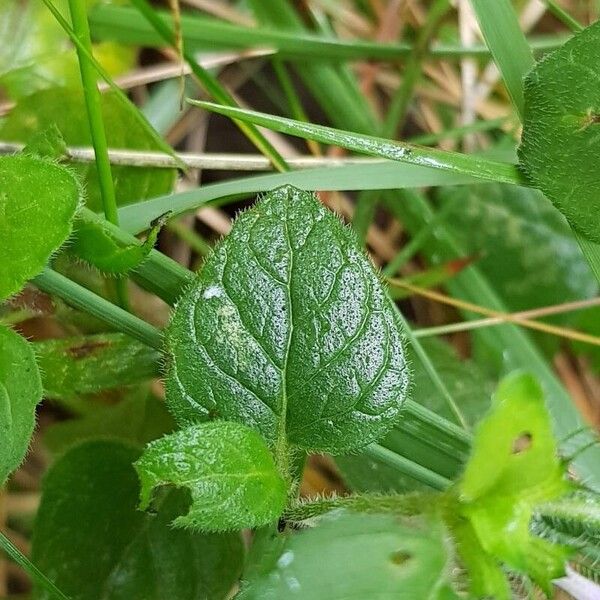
<point x="400" y="557"/>
<point x="522" y="443"/>
<point x="590" y="118"/>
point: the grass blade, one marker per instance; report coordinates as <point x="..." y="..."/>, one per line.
<point x="463" y="164"/>
<point x="563" y="16"/>
<point x="83" y="299"/>
<point x="384" y="175"/>
<point x="36" y="575"/>
<point x="507" y="43"/>
<point x="154" y="135"/>
<point x="123" y="24"/>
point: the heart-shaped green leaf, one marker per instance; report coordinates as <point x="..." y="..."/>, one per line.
<point x="561" y="130"/>
<point x="38" y="200"/>
<point x="289" y="330"/>
<point x="20" y="391"/>
<point x="228" y="470"/>
<point x="95" y="545"/>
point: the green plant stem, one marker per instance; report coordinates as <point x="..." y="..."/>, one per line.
<point x="210" y="84"/>
<point x="94" y="112"/>
<point x="51" y="282"/>
<point x="36" y="575"/>
<point x="139" y="116"/>
<point x="563" y="16"/>
<point x="406" y="467"/>
<point x="406" y="504"/>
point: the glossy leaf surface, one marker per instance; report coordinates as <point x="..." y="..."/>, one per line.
<point x="349" y="555"/>
<point x="93" y="542"/>
<point x="561" y="130"/>
<point x="228" y="469"/>
<point x="289" y="331"/>
<point x="20" y="391"/>
<point x="38" y="200"/>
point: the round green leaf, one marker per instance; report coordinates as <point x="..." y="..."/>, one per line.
<point x="561" y="130"/>
<point x="349" y="555"/>
<point x="20" y="391"/>
<point x="228" y="469"/>
<point x="289" y="330"/>
<point x="93" y="543"/>
<point x="38" y="200"/>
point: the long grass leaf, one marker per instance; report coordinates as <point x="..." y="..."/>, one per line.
<point x="463" y="164"/>
<point x="507" y="43"/>
<point x="123" y="24"/>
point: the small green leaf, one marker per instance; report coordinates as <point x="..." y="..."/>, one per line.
<point x="66" y="108"/>
<point x="38" y="200"/>
<point x="513" y="467"/>
<point x="514" y="448"/>
<point x="97" y="248"/>
<point x="81" y="365"/>
<point x="561" y="130"/>
<point x="139" y="418"/>
<point x="90" y="539"/>
<point x="349" y="555"/>
<point x="289" y="330"/>
<point x="20" y="391"/>
<point x="47" y="143"/>
<point x="227" y="468"/>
